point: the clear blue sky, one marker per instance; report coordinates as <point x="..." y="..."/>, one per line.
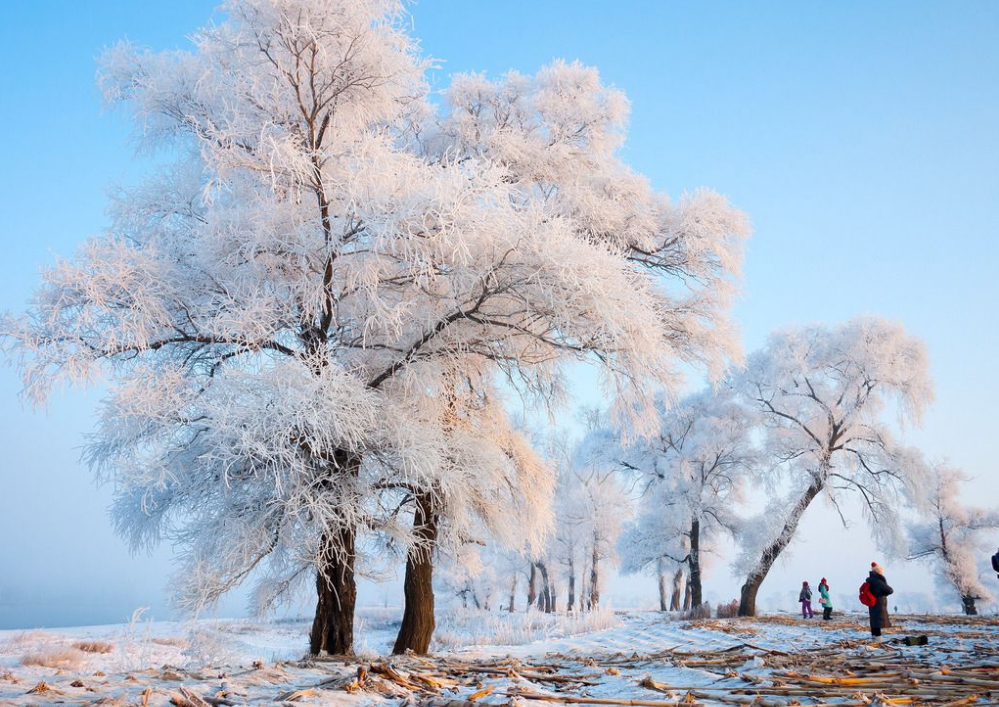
<point x="862" y="138"/>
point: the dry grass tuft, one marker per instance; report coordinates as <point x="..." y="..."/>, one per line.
<point x="60" y="658"/>
<point x="94" y="646"/>
<point x="41" y="688"/>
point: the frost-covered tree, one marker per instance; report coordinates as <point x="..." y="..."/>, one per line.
<point x="694" y="472"/>
<point x="822" y="394"/>
<point x="489" y="484"/>
<point x="599" y="509"/>
<point x="952" y="537"/>
<point x="318" y="254"/>
<point x="472" y="577"/>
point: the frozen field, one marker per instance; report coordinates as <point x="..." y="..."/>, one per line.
<point x="632" y="658"/>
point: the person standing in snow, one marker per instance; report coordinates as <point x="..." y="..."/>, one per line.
<point x="825" y="600"/>
<point x="805" y="597"/>
<point x="881" y="590"/>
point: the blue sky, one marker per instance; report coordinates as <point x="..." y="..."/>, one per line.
<point x="860" y="137"/>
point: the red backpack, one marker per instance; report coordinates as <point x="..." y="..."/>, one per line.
<point x="867" y="598"/>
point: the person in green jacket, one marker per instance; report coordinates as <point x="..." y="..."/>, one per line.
<point x="825" y="600"/>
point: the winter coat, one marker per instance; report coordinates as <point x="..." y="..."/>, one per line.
<point x="806" y="594"/>
<point x="824" y="593"/>
<point x="879" y="585"/>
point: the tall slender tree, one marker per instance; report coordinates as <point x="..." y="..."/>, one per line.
<point x="694" y="472"/>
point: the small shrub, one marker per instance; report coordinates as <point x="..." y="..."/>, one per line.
<point x="698" y="612"/>
<point x="728" y="611"/>
<point x="94" y="646"/>
<point x="60" y="658"/>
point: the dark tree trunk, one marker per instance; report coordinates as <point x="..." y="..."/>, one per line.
<point x="546" y="598"/>
<point x="336" y="590"/>
<point x="333" y="625"/>
<point x="418" y="617"/>
<point x="695" y="563"/>
<point x="595" y="579"/>
<point x="747" y="599"/>
<point x="969" y="606"/>
<point x="674" y="600"/>
<point x="687" y="596"/>
<point x="532" y="587"/>
<point x="885" y="616"/>
<point x="663" y="593"/>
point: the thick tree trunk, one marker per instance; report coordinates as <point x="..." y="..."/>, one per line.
<point x="969" y="606"/>
<point x="747" y="600"/>
<point x="336" y="590"/>
<point x="663" y="593"/>
<point x="595" y="579"/>
<point x="333" y="625"/>
<point x="695" y="563"/>
<point x="532" y="587"/>
<point x="513" y="594"/>
<point x="687" y="596"/>
<point x="418" y="616"/>
<point x="885" y="616"/>
<point x="674" y="601"/>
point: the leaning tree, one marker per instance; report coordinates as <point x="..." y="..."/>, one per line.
<point x="317" y="243"/>
<point x="951" y="535"/>
<point x="822" y="394"/>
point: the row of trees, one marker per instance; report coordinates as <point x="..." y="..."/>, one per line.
<point x="811" y="416"/>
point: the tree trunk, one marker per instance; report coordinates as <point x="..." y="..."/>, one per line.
<point x="595" y="579"/>
<point x="695" y="563"/>
<point x="674" y="601"/>
<point x="333" y="625"/>
<point x="969" y="606"/>
<point x="336" y="589"/>
<point x="747" y="600"/>
<point x="661" y="576"/>
<point x="572" y="586"/>
<point x="418" y="617"/>
<point x="513" y="594"/>
<point x="532" y="587"/>
<point x="545" y="597"/>
<point x="687" y="597"/>
<point x="885" y="616"/>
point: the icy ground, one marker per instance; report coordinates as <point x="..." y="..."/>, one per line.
<point x="642" y="658"/>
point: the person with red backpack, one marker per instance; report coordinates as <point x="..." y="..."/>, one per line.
<point x="874" y="595"/>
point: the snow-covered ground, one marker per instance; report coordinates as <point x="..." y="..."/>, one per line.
<point x="631" y="655"/>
